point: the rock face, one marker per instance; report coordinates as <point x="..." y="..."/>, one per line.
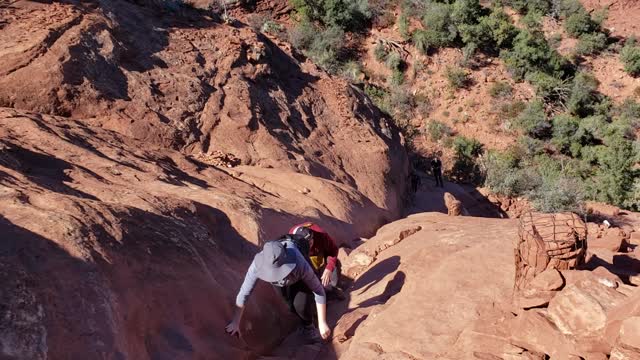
<point x="420" y="293"/>
<point x="127" y="228"/>
<point x="181" y="79"/>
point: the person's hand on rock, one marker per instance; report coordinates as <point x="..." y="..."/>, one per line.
<point x="326" y="278"/>
<point x="324" y="330"/>
<point x="233" y="328"/>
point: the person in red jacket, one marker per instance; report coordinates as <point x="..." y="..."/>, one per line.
<point x="323" y="253"/>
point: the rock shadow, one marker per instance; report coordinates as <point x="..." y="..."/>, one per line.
<point x="44" y="170"/>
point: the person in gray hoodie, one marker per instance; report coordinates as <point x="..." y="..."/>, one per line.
<point x="281" y="264"/>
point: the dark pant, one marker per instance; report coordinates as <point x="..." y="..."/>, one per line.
<point x="438" y="175"/>
<point x="299" y="298"/>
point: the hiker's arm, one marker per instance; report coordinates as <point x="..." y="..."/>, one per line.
<point x="322" y="320"/>
<point x="312" y="282"/>
<point x="245" y="290"/>
<point x="332" y="252"/>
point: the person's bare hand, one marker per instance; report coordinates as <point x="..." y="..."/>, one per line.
<point x="324" y="330"/>
<point x="233" y="328"/>
<point x="325" y="278"/>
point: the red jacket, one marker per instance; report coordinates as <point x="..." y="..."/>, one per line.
<point x="323" y="244"/>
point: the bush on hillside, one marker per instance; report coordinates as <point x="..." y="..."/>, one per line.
<point x="565" y="128"/>
<point x="533" y="121"/>
<point x="531" y="53"/>
<point x="615" y="176"/>
<point x="466" y="167"/>
<point x="301" y="36"/>
<point x="437" y="130"/>
<point x="380" y="52"/>
<point x="550" y="89"/>
<point x="630" y="57"/>
<point x="350" y="15"/>
<point x="457" y="77"/>
<point x="526" y="6"/>
<point x="440" y="31"/>
<point x="565" y="8"/>
<point x="326" y="47"/>
<point x="394" y="61"/>
<point x="505" y="176"/>
<point x="502" y="30"/>
<point x="403" y="26"/>
<point x="591" y="44"/>
<point x="466" y="12"/>
<point x="500" y="90"/>
<point x="532" y="21"/>
<point x="584" y="95"/>
<point x="558" y="194"/>
<point x="580" y="23"/>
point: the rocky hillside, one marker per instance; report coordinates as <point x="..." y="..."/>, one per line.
<point x="145" y="155"/>
<point x="183" y="80"/>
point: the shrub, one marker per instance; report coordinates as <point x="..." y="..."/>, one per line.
<point x="466" y="12"/>
<point x="467" y="147"/>
<point x="458" y="78"/>
<point x="565" y="128"/>
<point x="394" y="61"/>
<point x="550" y="89"/>
<point x="584" y="96"/>
<point x="378" y="96"/>
<point x="466" y="167"/>
<point x="344" y="14"/>
<point x="352" y="70"/>
<point x="468" y="53"/>
<point x="401" y="103"/>
<point x="591" y="43"/>
<point x="580" y="23"/>
<point x="380" y="52"/>
<point x="502" y="30"/>
<point x="526" y="6"/>
<point x="403" y="26"/>
<point x="630" y="57"/>
<point x="533" y="121"/>
<point x="565" y="8"/>
<point x="302" y="35"/>
<point x="440" y="30"/>
<point x="326" y="47"/>
<point x="532" y="21"/>
<point x="437" y="130"/>
<point x="504" y="176"/>
<point x="512" y="110"/>
<point x="558" y="194"/>
<point x="531" y="53"/>
<point x="500" y="90"/>
<point x="615" y="175"/>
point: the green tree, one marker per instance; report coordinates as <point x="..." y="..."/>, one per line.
<point x="630" y="57"/>
<point x="615" y="175"/>
<point x="584" y="95"/>
<point x="533" y="121"/>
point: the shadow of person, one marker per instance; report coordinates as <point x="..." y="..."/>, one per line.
<point x="393" y="287"/>
<point x="376" y="273"/>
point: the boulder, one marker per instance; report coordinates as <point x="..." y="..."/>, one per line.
<point x="611" y="239"/>
<point x="534" y="330"/>
<point x="454" y="206"/>
<point x="580" y="309"/>
<point x="627" y="346"/>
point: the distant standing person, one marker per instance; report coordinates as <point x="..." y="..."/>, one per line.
<point x="436" y="167"/>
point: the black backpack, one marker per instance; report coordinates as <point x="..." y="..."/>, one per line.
<point x="301" y="244"/>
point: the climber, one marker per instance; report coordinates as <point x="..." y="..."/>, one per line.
<point x="323" y="254"/>
<point x="436" y="168"/>
<point x="281" y="264"/>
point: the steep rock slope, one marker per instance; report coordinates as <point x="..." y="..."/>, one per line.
<point x="184" y="80"/>
<point x="114" y="248"/>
